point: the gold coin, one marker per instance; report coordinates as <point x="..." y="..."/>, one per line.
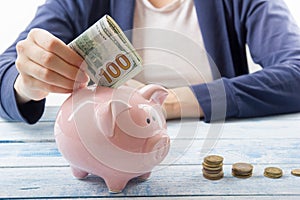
<point x="214" y="177"/>
<point x="206" y="171"/>
<point x="295" y="172"/>
<point x="242" y="176"/>
<point x="213" y="160"/>
<point x="273" y="172"/>
<point x="241" y="168"/>
<point x="272" y="175"/>
<point x="212" y="167"/>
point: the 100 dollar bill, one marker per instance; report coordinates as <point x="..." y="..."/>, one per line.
<point x="110" y="56"/>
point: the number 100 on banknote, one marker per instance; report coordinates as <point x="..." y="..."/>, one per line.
<point x="110" y="56"/>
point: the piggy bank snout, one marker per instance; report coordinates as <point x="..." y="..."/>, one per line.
<point x="161" y="148"/>
<point x="158" y="147"/>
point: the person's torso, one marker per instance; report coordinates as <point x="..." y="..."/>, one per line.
<point x="170" y="43"/>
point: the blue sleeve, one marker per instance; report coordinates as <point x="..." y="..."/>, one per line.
<point x="65" y="20"/>
<point x="274" y="42"/>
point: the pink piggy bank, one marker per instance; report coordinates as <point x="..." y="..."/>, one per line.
<point x="117" y="134"/>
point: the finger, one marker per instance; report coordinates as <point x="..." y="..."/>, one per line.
<point x="45" y="75"/>
<point x="36" y="86"/>
<point x="51" y="61"/>
<point x="51" y="43"/>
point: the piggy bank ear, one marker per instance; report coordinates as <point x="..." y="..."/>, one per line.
<point x="107" y="114"/>
<point x="156" y="93"/>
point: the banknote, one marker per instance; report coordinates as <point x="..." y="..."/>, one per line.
<point x="110" y="56"/>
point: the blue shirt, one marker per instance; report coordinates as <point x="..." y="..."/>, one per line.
<point x="226" y="25"/>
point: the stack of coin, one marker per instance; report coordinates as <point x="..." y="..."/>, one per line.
<point x="242" y="170"/>
<point x="295" y="172"/>
<point x="273" y="172"/>
<point x="213" y="167"/>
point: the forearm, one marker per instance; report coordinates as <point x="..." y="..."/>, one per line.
<point x="8" y="107"/>
<point x="182" y="103"/>
<point x="267" y="92"/>
<point x="30" y="112"/>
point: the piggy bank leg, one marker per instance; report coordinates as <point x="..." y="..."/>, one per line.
<point x="144" y="177"/>
<point x="78" y="173"/>
<point x="116" y="186"/>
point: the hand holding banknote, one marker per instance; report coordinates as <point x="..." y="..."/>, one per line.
<point x="46" y="65"/>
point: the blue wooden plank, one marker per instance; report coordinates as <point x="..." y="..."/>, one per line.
<point x="21" y="132"/>
<point x="253" y="151"/>
<point x="235" y="129"/>
<point x="57" y="182"/>
<point x="275" y="197"/>
<point x="32" y="167"/>
<point x="191" y="129"/>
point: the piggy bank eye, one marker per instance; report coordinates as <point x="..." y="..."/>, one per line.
<point x="148" y="121"/>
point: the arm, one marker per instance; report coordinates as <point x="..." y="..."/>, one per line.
<point x="180" y="102"/>
<point x="63" y="20"/>
<point x="274" y="43"/>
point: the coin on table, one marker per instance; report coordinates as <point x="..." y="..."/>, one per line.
<point x="273" y="172"/>
<point x="295" y="172"/>
<point x="207" y="171"/>
<point x="213" y="160"/>
<point x="242" y="170"/>
<point x="242" y="176"/>
<point x="242" y="167"/>
<point x="213" y="176"/>
<point x="212" y="167"/>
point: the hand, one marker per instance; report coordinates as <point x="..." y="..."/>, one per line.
<point x="47" y="65"/>
<point x="182" y="103"/>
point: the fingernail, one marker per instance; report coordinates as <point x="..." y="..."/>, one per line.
<point x="78" y="86"/>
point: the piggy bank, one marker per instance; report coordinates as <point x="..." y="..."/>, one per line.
<point x="116" y="134"/>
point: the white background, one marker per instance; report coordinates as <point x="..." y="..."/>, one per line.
<point x="16" y="14"/>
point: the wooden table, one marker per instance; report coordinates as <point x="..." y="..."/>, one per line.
<point x="31" y="167"/>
